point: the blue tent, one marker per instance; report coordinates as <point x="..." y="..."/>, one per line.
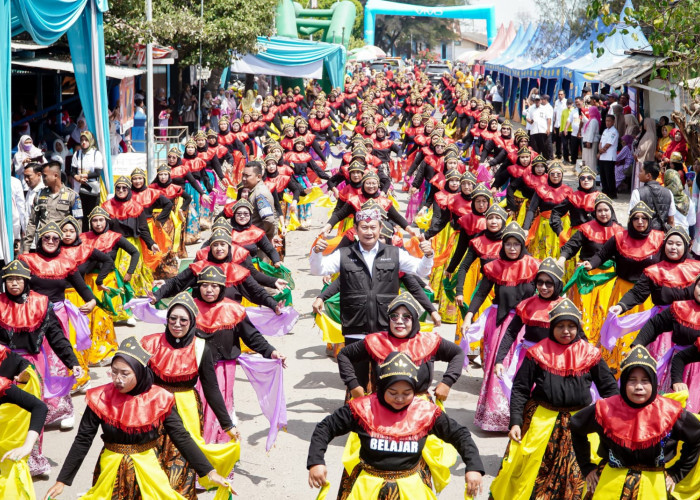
<point x="46" y="21"/>
<point x="584" y="68"/>
<point x="554" y="75"/>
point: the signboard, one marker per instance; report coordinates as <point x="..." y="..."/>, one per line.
<point x="126" y="103"/>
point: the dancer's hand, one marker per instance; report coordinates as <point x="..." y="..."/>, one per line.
<point x="670" y="484"/>
<point x="217" y="478"/>
<point x="280" y="356"/>
<point x="127" y="278"/>
<point x="280" y="284"/>
<point x="413" y="190"/>
<point x="278" y="308"/>
<point x="437" y="319"/>
<point x="498" y="370"/>
<point x="151" y="296"/>
<point x="317" y="476"/>
<point x="473" y="479"/>
<point x="155" y="248"/>
<point x="586" y="265"/>
<point x="55" y="490"/>
<point x="18" y="454"/>
<point x="104" y="288"/>
<point x="278" y="264"/>
<point x="317" y="306"/>
<point x="88" y="306"/>
<point x="327" y="279"/>
<point x="320" y="245"/>
<point x="357" y="392"/>
<point x="206" y="198"/>
<point x="561" y="261"/>
<point x="592" y="481"/>
<point x="23" y="377"/>
<point x="425" y="246"/>
<point x="680" y="386"/>
<point x="234" y="434"/>
<point x="467" y="322"/>
<point x="616" y="310"/>
<point x="77" y="372"/>
<point x="459" y="300"/>
<point x="515" y="433"/>
<point x="442" y="391"/>
<point x="413" y="231"/>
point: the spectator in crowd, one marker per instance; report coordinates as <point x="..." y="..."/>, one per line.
<point x="34" y="182"/>
<point x="685" y="207"/>
<point x="53" y="204"/>
<point x="61" y="154"/>
<point x="560" y="104"/>
<point x="19" y="212"/>
<point x="26" y="153"/>
<point x="663" y="142"/>
<point x="539" y="124"/>
<point x="607" y="155"/>
<point x="86" y="169"/>
<point x="656" y="197"/>
<point x="591" y="138"/>
<point x="624" y="163"/>
<point x="549" y="114"/>
<point x="188" y="110"/>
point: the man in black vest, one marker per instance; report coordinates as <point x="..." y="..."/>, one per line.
<point x="657" y="197"/>
<point x="369" y="276"/>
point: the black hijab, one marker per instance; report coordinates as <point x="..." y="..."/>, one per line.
<point x="624" y="377"/>
<point x="178" y="343"/>
<point x="384" y="383"/>
<point x="143" y="374"/>
<point x="415" y="319"/>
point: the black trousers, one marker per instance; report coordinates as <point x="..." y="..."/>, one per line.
<point x="557" y="142"/>
<point x="538" y="143"/>
<point x="573" y="144"/>
<point x="607" y="177"/>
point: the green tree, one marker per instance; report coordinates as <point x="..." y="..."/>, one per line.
<point x="671" y="26"/>
<point x="398" y="31"/>
<point x="226" y="25"/>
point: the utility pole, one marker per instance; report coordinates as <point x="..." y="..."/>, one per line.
<point x="199" y="103"/>
<point x="150" y="168"/>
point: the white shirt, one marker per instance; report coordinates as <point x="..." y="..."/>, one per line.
<point x="634" y="199"/>
<point x="19" y="213"/>
<point x="538" y="115"/>
<point x="330" y="264"/>
<point x="609" y="136"/>
<point x="574" y="120"/>
<point x="559" y="106"/>
<point x="31" y="194"/>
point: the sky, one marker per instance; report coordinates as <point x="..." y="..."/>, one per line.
<point x="507" y="10"/>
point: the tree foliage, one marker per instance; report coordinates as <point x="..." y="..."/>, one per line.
<point x="671" y="26"/>
<point x="563" y="22"/>
<point x="226" y="25"/>
<point x="397" y="31"/>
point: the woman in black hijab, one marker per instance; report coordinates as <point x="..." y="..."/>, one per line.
<point x="639" y="433"/>
<point x="392" y="425"/>
<point x="132" y="413"/>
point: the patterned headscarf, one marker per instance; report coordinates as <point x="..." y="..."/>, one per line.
<point x="672" y="181"/>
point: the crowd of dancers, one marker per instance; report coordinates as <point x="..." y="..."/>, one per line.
<point x="586" y="331"/>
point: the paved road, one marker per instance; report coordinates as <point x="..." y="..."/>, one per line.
<point x="313" y="390"/>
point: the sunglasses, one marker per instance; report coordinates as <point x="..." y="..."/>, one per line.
<point x="587" y="178"/>
<point x="395" y="317"/>
<point x="640" y="218"/>
<point x="121" y="188"/>
<point x="51" y="239"/>
<point x="545" y="283"/>
<point x="182" y="321"/>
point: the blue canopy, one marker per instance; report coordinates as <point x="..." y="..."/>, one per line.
<point x="584" y="68"/>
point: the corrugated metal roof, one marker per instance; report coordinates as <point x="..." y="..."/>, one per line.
<point x="118" y="72"/>
<point x="629" y="70"/>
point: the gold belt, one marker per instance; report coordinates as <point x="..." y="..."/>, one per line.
<point x="390" y="475"/>
<point x="130" y="449"/>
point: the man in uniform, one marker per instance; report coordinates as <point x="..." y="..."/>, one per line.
<point x="264" y="215"/>
<point x="52" y="204"/>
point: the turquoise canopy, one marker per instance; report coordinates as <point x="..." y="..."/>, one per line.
<point x="46" y="21"/>
<point x="295" y="52"/>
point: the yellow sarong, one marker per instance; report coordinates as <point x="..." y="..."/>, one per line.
<point x="15" y="479"/>
<point x="221" y="456"/>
